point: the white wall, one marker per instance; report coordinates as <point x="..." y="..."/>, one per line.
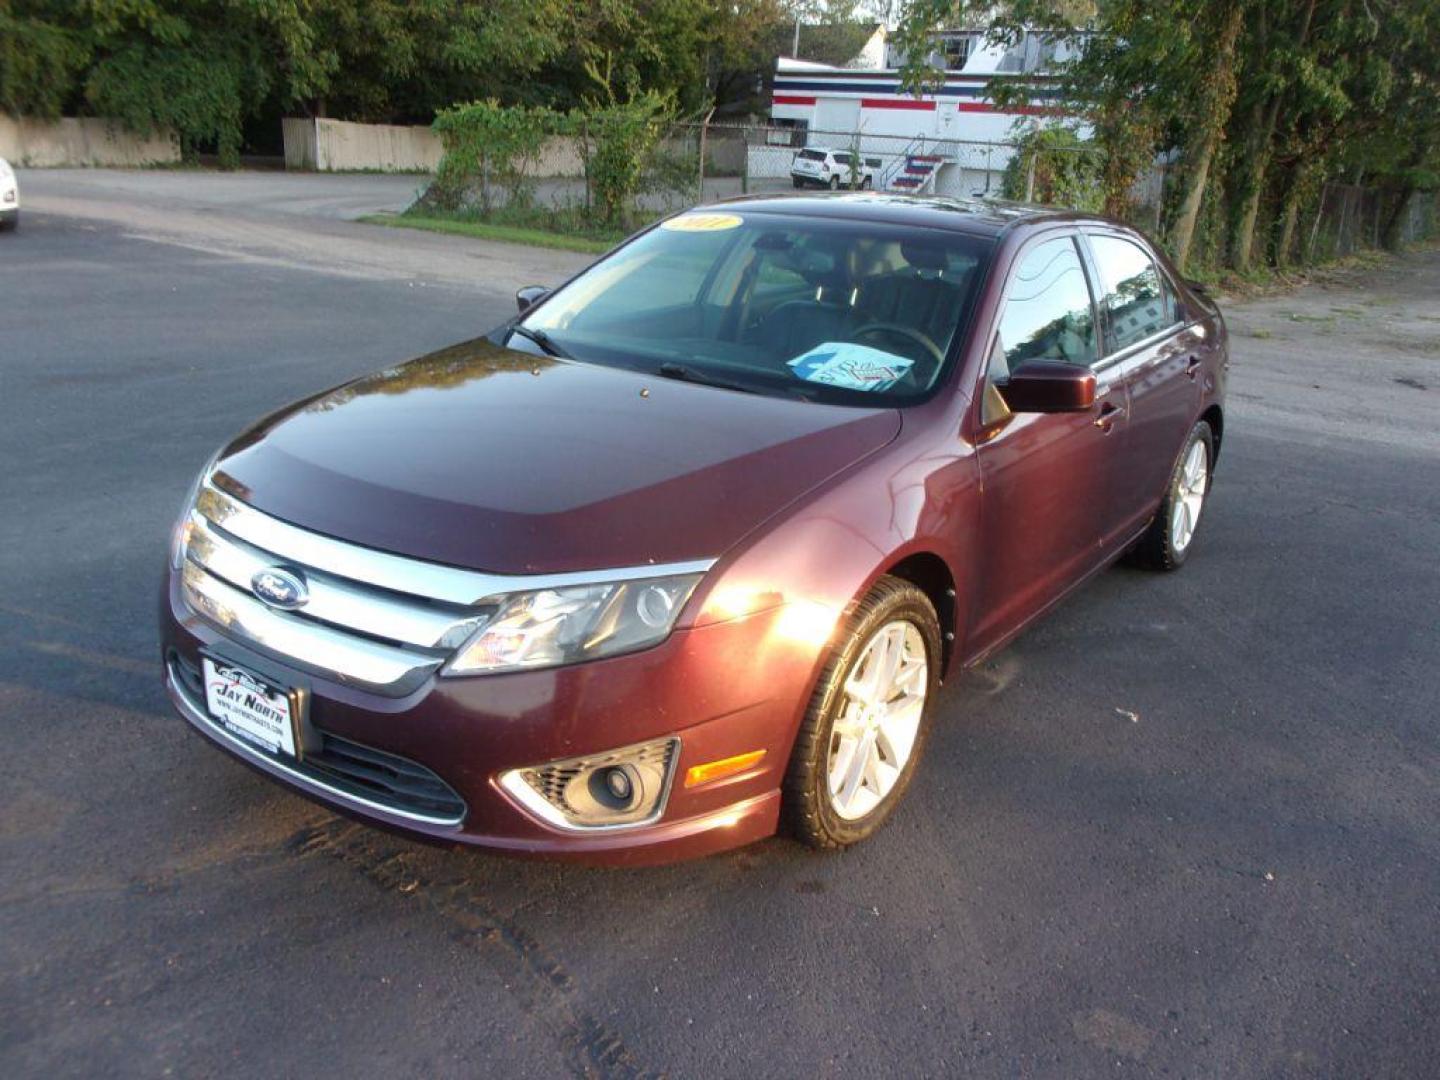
<point x="81" y="141"/>
<point x="342" y="146"/>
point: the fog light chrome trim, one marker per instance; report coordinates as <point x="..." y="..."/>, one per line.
<point x="524" y="792"/>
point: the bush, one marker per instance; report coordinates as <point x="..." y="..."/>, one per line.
<point x="489" y="146"/>
<point x="619" y="144"/>
<point x="1067" y="170"/>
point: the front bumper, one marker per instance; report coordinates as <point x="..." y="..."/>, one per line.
<point x="721" y="690"/>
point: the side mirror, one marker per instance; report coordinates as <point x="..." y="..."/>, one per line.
<point x="1049" y="386"/>
<point x="1198" y="286"/>
<point x="529" y="296"/>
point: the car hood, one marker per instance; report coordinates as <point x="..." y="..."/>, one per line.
<point x="490" y="459"/>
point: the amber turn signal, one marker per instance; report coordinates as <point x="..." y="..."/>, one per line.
<point x="715" y="770"/>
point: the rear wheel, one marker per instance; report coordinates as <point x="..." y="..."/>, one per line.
<point x="11" y="223"/>
<point x="797" y="182"/>
<point x="864" y="732"/>
<point x="1166" y="543"/>
<point x="835" y="183"/>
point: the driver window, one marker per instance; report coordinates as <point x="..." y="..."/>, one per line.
<point x="1048" y="313"/>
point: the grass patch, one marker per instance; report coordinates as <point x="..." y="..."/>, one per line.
<point x="506" y="234"/>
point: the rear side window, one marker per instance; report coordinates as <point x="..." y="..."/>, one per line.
<point x="1136" y="303"/>
<point x="1048" y="311"/>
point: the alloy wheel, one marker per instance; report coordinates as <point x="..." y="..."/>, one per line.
<point x="875" y="732"/>
<point x="1190" y="487"/>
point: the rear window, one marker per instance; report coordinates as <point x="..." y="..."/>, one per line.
<point x="813" y="155"/>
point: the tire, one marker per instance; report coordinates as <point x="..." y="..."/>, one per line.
<point x="868" y="183"/>
<point x="813" y="812"/>
<point x="835" y="183"/>
<point x="797" y="182"/>
<point x="1165" y="544"/>
<point x="10" y="224"/>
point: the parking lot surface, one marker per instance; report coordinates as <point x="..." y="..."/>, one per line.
<point x="1188" y="825"/>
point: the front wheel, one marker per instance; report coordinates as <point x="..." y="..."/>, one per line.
<point x="1166" y="543"/>
<point x="865" y="729"/>
<point x="835" y="183"/>
<point x="795" y="180"/>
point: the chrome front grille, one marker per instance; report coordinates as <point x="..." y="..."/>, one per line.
<point x="371" y="619"/>
<point x="375" y="620"/>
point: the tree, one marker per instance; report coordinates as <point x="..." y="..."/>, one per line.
<point x="40" y="58"/>
<point x="1260" y="101"/>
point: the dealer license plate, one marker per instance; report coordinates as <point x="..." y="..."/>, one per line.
<point x="250" y="707"/>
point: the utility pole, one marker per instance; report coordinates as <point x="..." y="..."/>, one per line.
<point x="795" y="46"/>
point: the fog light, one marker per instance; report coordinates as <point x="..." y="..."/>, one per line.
<point x="618" y="785"/>
<point x="628" y="786"/>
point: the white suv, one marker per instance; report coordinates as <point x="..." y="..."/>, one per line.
<point x="831" y="168"/>
<point x="9" y="197"/>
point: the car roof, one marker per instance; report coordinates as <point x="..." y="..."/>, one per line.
<point x="985" y="217"/>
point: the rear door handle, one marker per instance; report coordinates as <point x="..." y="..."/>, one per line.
<point x="1192" y="367"/>
<point x="1108" y="415"/>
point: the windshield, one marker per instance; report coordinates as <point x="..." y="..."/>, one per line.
<point x="852" y="312"/>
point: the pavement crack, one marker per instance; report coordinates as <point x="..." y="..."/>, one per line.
<point x="537" y="980"/>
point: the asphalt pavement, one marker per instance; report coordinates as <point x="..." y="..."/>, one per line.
<point x="1189" y="825"/>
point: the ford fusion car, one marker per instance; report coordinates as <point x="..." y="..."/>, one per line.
<point x="680" y="555"/>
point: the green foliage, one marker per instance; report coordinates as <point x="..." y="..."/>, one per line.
<point x="40" y="59"/>
<point x="492" y="149"/>
<point x="619" y="143"/>
<point x="208" y="68"/>
<point x="1260" y="104"/>
<point x="1055" y="166"/>
<point x="488" y="145"/>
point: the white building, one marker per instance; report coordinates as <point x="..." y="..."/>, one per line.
<point x="949" y="139"/>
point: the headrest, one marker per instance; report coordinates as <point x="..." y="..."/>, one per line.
<point x="924" y="256"/>
<point x="816" y="265"/>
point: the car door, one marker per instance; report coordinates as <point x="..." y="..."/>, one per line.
<point x="1148" y="348"/>
<point x="1045" y="478"/>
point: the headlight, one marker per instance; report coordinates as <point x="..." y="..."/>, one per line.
<point x="180" y="536"/>
<point x="549" y="627"/>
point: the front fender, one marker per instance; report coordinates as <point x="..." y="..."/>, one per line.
<point x="921" y="494"/>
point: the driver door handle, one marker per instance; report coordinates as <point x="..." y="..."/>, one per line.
<point x="1108" y="415"/>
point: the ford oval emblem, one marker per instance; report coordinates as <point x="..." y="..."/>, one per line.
<point x="280" y="588"/>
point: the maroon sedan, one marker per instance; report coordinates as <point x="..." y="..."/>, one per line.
<point x="684" y="551"/>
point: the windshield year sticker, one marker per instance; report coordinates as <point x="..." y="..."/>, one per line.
<point x="702" y="223"/>
<point x="855" y="367"/>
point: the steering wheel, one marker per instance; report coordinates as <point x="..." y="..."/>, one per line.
<point x="902" y="331"/>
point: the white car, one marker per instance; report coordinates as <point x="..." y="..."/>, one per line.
<point x="9" y="197"/>
<point x="831" y="168"/>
